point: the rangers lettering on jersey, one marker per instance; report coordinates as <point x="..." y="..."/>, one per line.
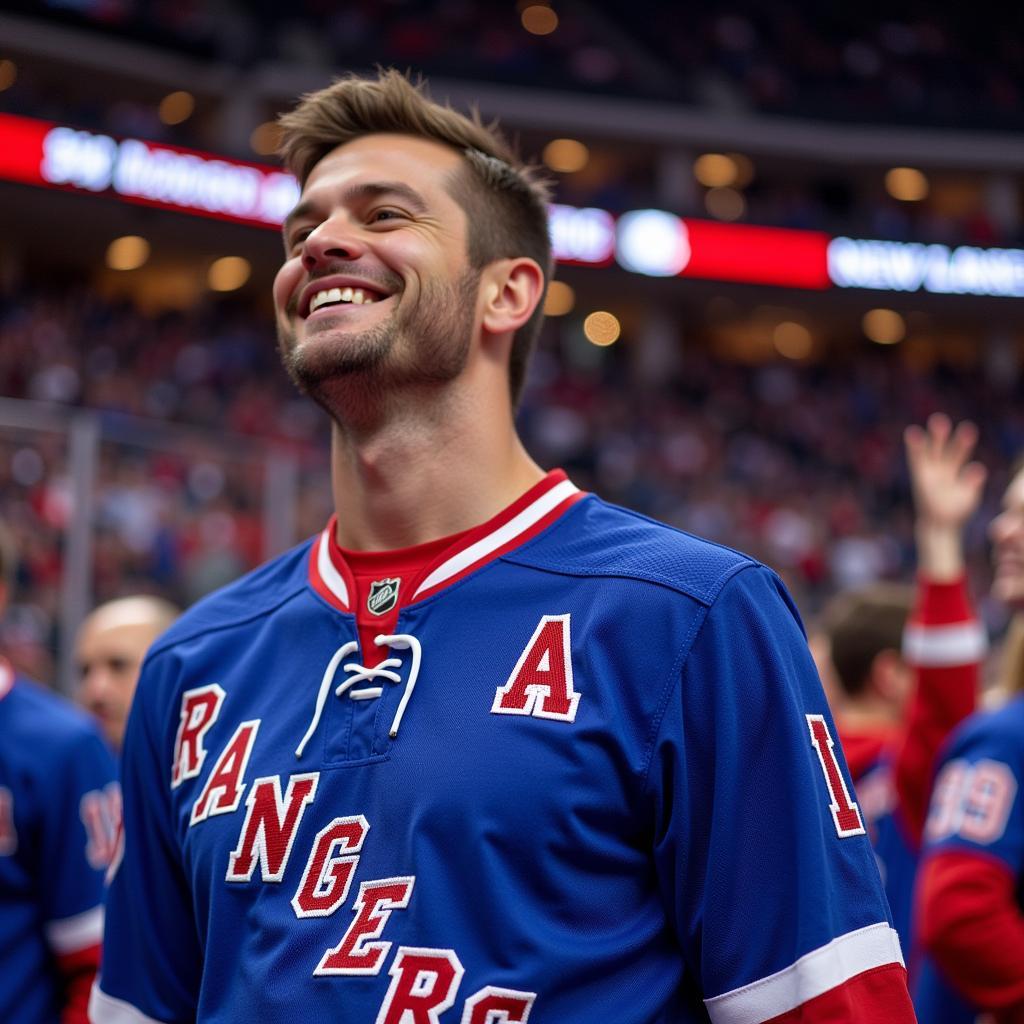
<point x="498" y="1006"/>
<point x="424" y="982"/>
<point x="270" y="826"/>
<point x="516" y="804"/>
<point x="328" y="875"/>
<point x="199" y="710"/>
<point x="223" y="790"/>
<point x="373" y="906"/>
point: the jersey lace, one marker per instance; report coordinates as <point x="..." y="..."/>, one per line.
<point x="357" y="673"/>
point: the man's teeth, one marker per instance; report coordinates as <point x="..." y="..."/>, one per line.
<point x="355" y="296"/>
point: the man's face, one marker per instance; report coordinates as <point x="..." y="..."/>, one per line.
<point x="1007" y="533"/>
<point x="109" y="655"/>
<point x="376" y="286"/>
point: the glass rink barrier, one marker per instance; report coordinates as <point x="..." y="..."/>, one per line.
<point x="100" y="505"/>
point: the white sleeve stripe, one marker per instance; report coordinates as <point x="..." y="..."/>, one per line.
<point x="70" y="934"/>
<point x="937" y="646"/>
<point x="812" y="975"/>
<point x="104" y="1009"/>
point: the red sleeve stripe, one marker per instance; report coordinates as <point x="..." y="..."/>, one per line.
<point x="71" y="934"/>
<point x="87" y="959"/>
<point x="104" y="1009"/>
<point x="811" y="976"/>
<point x="937" y="646"/>
<point x="875" y="997"/>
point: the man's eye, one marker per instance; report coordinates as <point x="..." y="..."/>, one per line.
<point x="385" y="213"/>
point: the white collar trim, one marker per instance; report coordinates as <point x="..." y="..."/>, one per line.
<point x="519" y="524"/>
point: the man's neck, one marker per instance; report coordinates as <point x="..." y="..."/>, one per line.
<point x="417" y="477"/>
<point x="867" y="717"/>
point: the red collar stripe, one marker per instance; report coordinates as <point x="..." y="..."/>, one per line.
<point x="502" y="538"/>
<point x="523" y="519"/>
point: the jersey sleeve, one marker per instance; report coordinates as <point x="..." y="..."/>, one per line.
<point x="970" y="918"/>
<point x="760" y="850"/>
<point x="944" y="643"/>
<point x="151" y="954"/>
<point x="75" y="846"/>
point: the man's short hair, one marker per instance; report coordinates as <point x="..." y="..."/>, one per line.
<point x="505" y="200"/>
<point x="862" y="623"/>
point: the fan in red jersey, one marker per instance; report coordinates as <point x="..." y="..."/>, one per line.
<point x="970" y="921"/>
<point x="898" y="706"/>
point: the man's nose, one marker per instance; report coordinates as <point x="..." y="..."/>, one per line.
<point x="94" y="684"/>
<point x="335" y="239"/>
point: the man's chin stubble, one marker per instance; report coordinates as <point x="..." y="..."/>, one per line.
<point x="311" y="365"/>
<point x="345" y="379"/>
<point x="356" y="376"/>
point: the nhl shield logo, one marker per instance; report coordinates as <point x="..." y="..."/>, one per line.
<point x="383" y="595"/>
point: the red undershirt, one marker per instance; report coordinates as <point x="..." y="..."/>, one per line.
<point x="370" y="567"/>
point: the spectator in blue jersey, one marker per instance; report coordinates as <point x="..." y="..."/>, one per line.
<point x="971" y="925"/>
<point x="59" y="807"/>
<point x="109" y="648"/>
<point x="485" y="748"/>
<point x="908" y="666"/>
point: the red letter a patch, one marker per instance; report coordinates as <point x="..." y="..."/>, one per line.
<point x="541" y="683"/>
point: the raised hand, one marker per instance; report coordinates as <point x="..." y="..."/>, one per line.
<point x="947" y="490"/>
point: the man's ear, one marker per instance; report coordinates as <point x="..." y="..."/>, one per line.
<point x="511" y="290"/>
<point x="890" y="676"/>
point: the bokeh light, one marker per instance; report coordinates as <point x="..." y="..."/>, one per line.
<point x="602" y="328"/>
<point x="8" y="74"/>
<point x="129" y="252"/>
<point x="907" y="184"/>
<point x="566" y="155"/>
<point x="176" y="107"/>
<point x="884" y="326"/>
<point x="228" y="273"/>
<point x="716" y="170"/>
<point x="264" y="138"/>
<point x="539" y="19"/>
<point x="725" y="203"/>
<point x="559" y="300"/>
<point x="792" y="340"/>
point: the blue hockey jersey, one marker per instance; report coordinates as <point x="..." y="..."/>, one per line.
<point x="593" y="778"/>
<point x="973" y="876"/>
<point x="59" y="805"/>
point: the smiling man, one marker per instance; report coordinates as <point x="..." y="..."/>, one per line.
<point x="486" y="750"/>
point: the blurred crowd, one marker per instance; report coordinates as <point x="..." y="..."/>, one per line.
<point x="799" y="464"/>
<point x="178" y="511"/>
<point x="927" y="66"/>
<point x="923" y="63"/>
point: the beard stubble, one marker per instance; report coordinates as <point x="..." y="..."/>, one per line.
<point x="357" y="372"/>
